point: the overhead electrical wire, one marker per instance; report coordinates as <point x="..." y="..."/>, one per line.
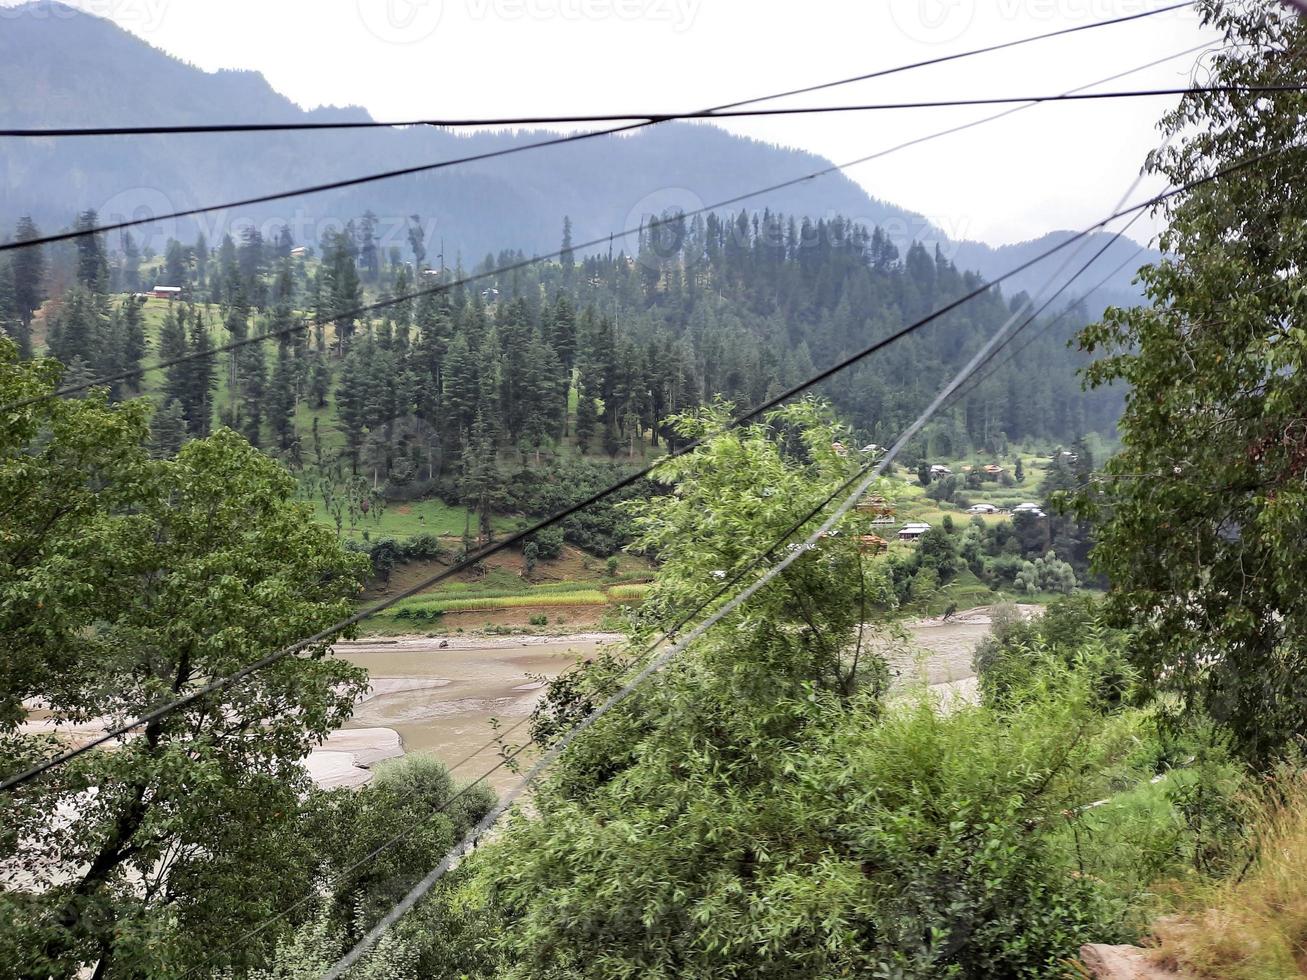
<point x="862" y="481"/>
<point x="371" y="124"/>
<point x="341" y="875"/>
<point x="1001" y="46"/>
<point x="368" y="308"/>
<point x="981" y="375"/>
<point x="727" y="586"/>
<point x="574" y="137"/>
<point x="648" y="650"/>
<point x="651" y="118"/>
<point x="18" y="779"/>
<point x="670" y="634"/>
<point x="469" y="560"/>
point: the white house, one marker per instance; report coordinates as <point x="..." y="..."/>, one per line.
<point x="982" y="509"/>
<point x="912" y="531"/>
<point x="1028" y="508"/>
<point x="939" y="469"/>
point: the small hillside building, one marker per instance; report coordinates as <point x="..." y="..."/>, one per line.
<point x="910" y="532"/>
<point x="1034" y="510"/>
<point x="939" y="469"/>
<point x="982" y="509"/>
<point x="166" y="292"/>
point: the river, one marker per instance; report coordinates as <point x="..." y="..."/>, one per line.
<point x="441" y="699"/>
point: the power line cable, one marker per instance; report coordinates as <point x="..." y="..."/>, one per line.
<point x="650" y="118"/>
<point x="735" y="579"/>
<point x="367" y="124"/>
<point x="422" y="168"/>
<point x="862" y="485"/>
<point x="967" y="54"/>
<point x="19" y="779"/>
<point x="983" y="356"/>
<point x="525" y="263"/>
<point x="982" y="376"/>
<point x="648" y="650"/>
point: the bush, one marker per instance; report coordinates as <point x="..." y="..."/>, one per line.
<point x="540" y="619"/>
<point x="1047" y="574"/>
<point x="548" y="542"/>
<point x="943" y="489"/>
<point x="1069" y="635"/>
<point x="907" y="843"/>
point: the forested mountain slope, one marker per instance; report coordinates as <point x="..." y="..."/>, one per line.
<point x="61" y="68"/>
<point x="587" y="355"/>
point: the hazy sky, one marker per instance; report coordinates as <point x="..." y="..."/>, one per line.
<point x="1050" y="166"/>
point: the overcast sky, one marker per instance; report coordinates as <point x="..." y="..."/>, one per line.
<point x="1051" y="166"/>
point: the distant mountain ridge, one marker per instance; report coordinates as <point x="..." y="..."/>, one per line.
<point x="63" y="67"/>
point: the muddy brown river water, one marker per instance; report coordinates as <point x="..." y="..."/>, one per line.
<point x="442" y="700"/>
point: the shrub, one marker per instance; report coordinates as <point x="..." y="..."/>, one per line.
<point x="907" y="843"/>
<point x="1070" y="634"/>
<point x="540" y="619"/>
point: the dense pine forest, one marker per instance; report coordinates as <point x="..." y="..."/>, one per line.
<point x="586" y="355"/>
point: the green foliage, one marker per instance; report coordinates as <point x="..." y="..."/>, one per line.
<point x="128" y="581"/>
<point x="1046" y="574"/>
<point x="1069" y="635"/>
<point x="907" y="843"/>
<point x="1205" y="509"/>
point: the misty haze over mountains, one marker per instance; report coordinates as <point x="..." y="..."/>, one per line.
<point x="61" y="67"/>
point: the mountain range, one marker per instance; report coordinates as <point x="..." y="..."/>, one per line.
<point x="60" y="67"/>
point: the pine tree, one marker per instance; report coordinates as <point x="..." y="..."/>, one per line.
<point x="173" y="345"/>
<point x="168" y="430"/>
<point x="566" y="257"/>
<point x="11" y="320"/>
<point x="134" y="345"/>
<point x="587" y="418"/>
<point x="202" y="379"/>
<point x="351" y="404"/>
<point x="92" y="260"/>
<point x="29" y="276"/>
<point x="280" y="403"/>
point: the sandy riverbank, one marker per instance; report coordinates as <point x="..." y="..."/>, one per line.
<point x="440" y="694"/>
